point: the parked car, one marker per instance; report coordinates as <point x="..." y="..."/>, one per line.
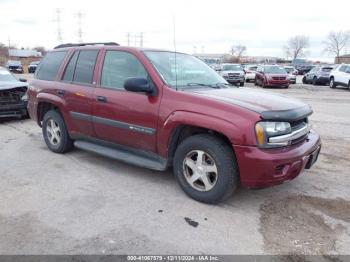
<point x="13" y="99"/>
<point x="292" y="73"/>
<point x="130" y="104"/>
<point x="14" y="66"/>
<point x="318" y="75"/>
<point x="271" y="76"/>
<point x="303" y="69"/>
<point x="250" y="72"/>
<point x="33" y="66"/>
<point x="232" y="73"/>
<point x="340" y="76"/>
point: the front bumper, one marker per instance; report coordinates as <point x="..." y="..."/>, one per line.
<point x="260" y="168"/>
<point x="277" y="83"/>
<point x="250" y="76"/>
<point x="234" y="79"/>
<point x="13" y="110"/>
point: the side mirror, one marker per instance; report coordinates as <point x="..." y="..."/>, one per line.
<point x="23" y="80"/>
<point x="137" y="84"/>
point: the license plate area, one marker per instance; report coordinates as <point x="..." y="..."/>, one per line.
<point x="313" y="158"/>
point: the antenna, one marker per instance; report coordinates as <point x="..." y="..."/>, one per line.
<point x="174" y="21"/>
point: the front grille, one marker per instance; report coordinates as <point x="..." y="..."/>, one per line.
<point x="296" y="125"/>
<point x="12" y="97"/>
<point x="279" y="78"/>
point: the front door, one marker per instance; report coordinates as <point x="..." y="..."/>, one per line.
<point x="119" y="116"/>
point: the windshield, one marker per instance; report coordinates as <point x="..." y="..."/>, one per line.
<point x="232" y="68"/>
<point x="186" y="72"/>
<point x="289" y="69"/>
<point x="274" y="70"/>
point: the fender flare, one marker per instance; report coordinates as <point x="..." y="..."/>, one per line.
<point x="187" y="118"/>
<point x="57" y="101"/>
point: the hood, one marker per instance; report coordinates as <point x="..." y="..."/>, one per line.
<point x="270" y="106"/>
<point x="232" y="71"/>
<point x="12" y="84"/>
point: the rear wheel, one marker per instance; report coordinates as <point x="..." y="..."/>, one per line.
<point x="349" y="85"/>
<point x="55" y="133"/>
<point x="206" y="168"/>
<point x="314" y="81"/>
<point x="304" y="80"/>
<point x="241" y="83"/>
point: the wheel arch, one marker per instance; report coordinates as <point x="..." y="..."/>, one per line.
<point x="48" y="102"/>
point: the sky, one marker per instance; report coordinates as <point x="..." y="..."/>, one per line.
<point x="263" y="26"/>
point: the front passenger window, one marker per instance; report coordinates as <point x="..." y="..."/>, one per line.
<point x="118" y="66"/>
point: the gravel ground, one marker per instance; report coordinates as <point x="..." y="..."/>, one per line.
<point x="80" y="203"/>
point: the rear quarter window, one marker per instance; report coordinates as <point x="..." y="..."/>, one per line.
<point x="50" y="65"/>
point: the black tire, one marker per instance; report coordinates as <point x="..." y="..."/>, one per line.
<point x="227" y="169"/>
<point x="241" y="83"/>
<point x="332" y="83"/>
<point x="349" y="85"/>
<point x="314" y="81"/>
<point x="304" y="80"/>
<point x="66" y="143"/>
<point x="263" y="84"/>
<point x="256" y="82"/>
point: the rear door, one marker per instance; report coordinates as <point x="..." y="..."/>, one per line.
<point x="76" y="87"/>
<point x="123" y="117"/>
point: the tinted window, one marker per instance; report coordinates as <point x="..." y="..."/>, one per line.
<point x="84" y="68"/>
<point x="119" y="66"/>
<point x="69" y="72"/>
<point x="49" y="66"/>
<point x="275" y="70"/>
<point x="327" y="69"/>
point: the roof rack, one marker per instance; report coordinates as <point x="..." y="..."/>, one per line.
<point x="85" y="44"/>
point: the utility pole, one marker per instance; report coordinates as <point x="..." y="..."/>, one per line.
<point x="58" y="22"/>
<point x="141" y="39"/>
<point x="128" y="38"/>
<point x="79" y="16"/>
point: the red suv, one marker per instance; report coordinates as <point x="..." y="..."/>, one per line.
<point x="271" y="76"/>
<point x="160" y="109"/>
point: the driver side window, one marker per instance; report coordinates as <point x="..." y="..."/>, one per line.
<point x="118" y="66"/>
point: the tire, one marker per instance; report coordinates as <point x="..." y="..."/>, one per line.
<point x="220" y="153"/>
<point x="304" y="80"/>
<point x="314" y="81"/>
<point x="332" y="83"/>
<point x="60" y="142"/>
<point x="349" y="85"/>
<point x="263" y="84"/>
<point x="255" y="82"/>
<point x="241" y="83"/>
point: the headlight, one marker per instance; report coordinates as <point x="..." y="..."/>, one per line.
<point x="265" y="130"/>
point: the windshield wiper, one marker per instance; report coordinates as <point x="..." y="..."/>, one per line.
<point x="207" y="85"/>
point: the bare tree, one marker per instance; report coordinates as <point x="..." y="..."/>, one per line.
<point x="336" y="42"/>
<point x="296" y="46"/>
<point x="238" y="51"/>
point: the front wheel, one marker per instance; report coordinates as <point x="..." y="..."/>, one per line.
<point x="55" y="133"/>
<point x="314" y="81"/>
<point x="206" y="168"/>
<point x="304" y="80"/>
<point x="332" y="83"/>
<point x="241" y="83"/>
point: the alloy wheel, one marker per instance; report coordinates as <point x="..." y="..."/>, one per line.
<point x="200" y="170"/>
<point x="53" y="132"/>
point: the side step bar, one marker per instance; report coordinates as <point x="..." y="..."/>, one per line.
<point x="128" y="155"/>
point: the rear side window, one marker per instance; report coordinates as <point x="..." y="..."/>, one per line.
<point x="50" y="65"/>
<point x="85" y="65"/>
<point x="118" y="66"/>
<point x="69" y="72"/>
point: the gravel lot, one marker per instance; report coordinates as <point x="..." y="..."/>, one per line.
<point x="80" y="203"/>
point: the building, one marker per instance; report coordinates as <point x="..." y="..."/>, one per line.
<point x="342" y="59"/>
<point x="16" y="54"/>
